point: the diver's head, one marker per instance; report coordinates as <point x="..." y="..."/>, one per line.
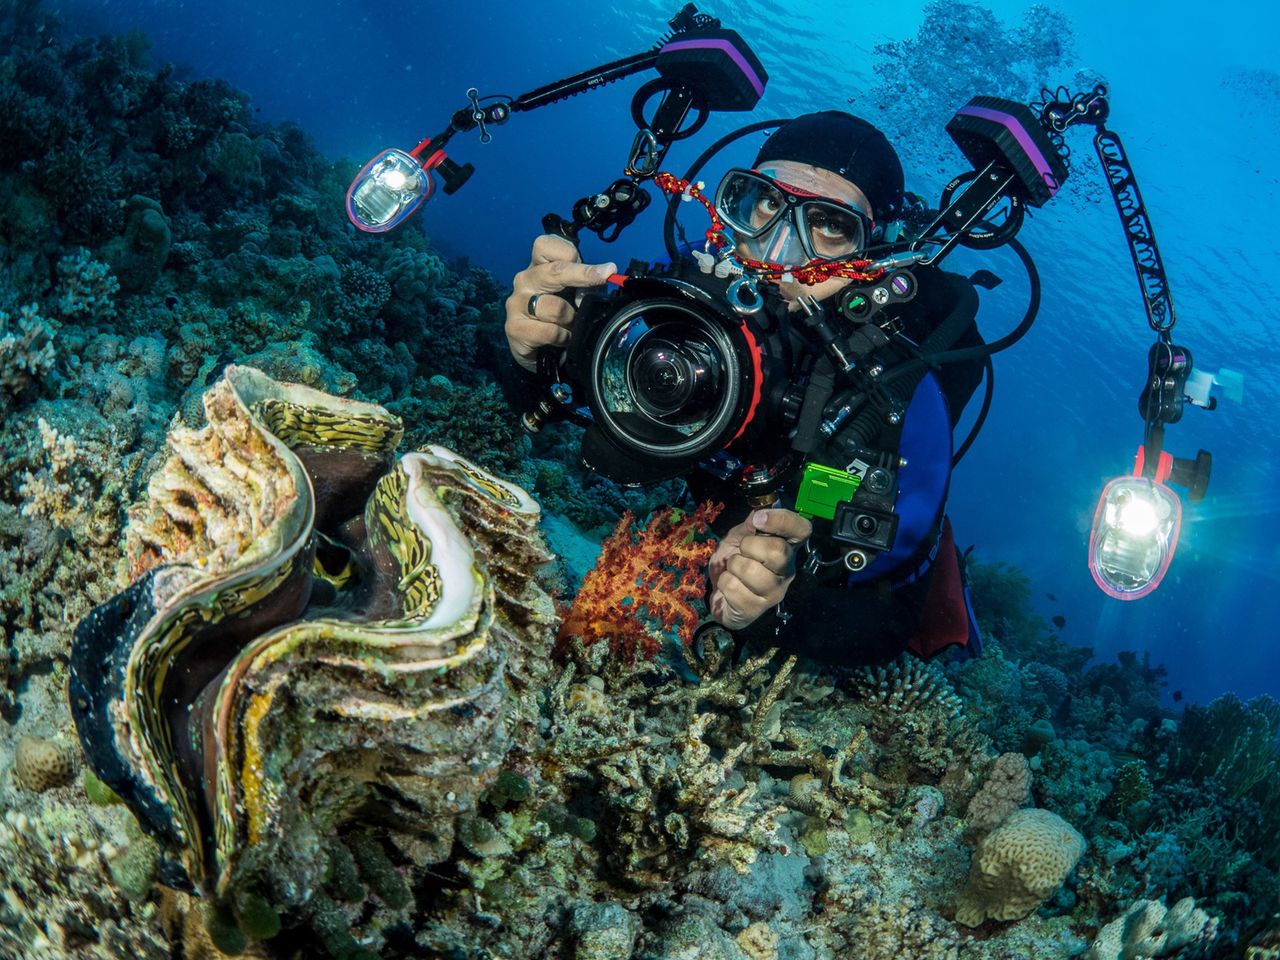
<point x="821" y="188"/>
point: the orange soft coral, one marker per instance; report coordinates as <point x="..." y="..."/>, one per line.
<point x="644" y="584"/>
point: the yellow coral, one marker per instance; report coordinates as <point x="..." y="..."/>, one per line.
<point x="42" y="764"/>
<point x="759" y="941"/>
<point x="1018" y="865"/>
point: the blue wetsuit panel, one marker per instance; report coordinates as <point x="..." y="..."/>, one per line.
<point x="922" y="483"/>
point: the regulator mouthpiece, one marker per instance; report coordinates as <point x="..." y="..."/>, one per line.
<point x="1135" y="531"/>
<point x="390" y="187"/>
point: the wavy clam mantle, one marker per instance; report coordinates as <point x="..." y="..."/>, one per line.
<point x="317" y="633"/>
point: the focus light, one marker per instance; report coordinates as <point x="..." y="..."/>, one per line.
<point x="1135" y="532"/>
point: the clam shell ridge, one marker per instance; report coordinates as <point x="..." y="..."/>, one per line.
<point x="317" y="634"/>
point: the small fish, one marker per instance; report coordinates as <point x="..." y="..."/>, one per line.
<point x="1052" y="597"/>
<point x="1059" y="621"/>
<point x="1177" y="696"/>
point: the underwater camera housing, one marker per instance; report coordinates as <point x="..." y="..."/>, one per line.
<point x="671" y="373"/>
<point x="681" y="364"/>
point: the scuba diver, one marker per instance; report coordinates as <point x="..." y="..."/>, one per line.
<point x="808" y="364"/>
<point x="823" y="187"/>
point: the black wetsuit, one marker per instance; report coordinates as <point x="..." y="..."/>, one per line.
<point x="867" y="623"/>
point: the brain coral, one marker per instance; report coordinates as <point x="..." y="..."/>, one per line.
<point x="1018" y="865"/>
<point x="43" y="764"/>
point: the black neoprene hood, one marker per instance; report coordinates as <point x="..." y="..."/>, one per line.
<point x="847" y="145"/>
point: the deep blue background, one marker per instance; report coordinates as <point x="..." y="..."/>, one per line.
<point x="1202" y="134"/>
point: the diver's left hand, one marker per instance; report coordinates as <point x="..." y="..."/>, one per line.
<point x="754" y="564"/>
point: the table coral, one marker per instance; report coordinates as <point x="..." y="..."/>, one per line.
<point x="644" y="584"/>
<point x="1148" y="929"/>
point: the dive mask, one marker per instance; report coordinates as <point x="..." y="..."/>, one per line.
<point x="778" y="223"/>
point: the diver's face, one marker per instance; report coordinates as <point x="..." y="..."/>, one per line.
<point x="824" y="183"/>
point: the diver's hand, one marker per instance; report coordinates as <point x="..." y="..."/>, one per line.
<point x="754" y="564"/>
<point x="554" y="268"/>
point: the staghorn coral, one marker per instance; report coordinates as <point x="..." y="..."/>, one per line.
<point x="1149" y="929"/>
<point x="1017" y="866"/>
<point x="644" y="584"/>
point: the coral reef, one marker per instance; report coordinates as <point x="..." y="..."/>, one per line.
<point x="693" y="803"/>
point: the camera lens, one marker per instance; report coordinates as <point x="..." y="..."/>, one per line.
<point x="866" y="525"/>
<point x="665" y="377"/>
<point x="670" y="378"/>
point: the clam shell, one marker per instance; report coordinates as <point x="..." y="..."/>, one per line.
<point x="317" y="635"/>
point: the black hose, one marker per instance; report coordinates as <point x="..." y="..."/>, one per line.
<point x="985" y="350"/>
<point x="990" y="371"/>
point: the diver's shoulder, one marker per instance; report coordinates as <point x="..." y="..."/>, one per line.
<point x="939" y="287"/>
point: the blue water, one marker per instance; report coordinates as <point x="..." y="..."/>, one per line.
<point x="1196" y="100"/>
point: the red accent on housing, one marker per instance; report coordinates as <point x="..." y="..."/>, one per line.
<point x="1164" y="464"/>
<point x="617" y="279"/>
<point x="757" y="375"/>
<point x="417" y="151"/>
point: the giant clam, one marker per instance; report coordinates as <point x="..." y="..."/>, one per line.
<point x="318" y="633"/>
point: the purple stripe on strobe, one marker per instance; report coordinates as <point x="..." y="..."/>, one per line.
<point x="1010" y="123"/>
<point x="728" y="48"/>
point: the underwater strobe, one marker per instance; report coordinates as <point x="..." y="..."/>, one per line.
<point x="700" y="66"/>
<point x="1138" y="517"/>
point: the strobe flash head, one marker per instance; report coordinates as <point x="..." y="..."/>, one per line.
<point x="1135" y="532"/>
<point x="390" y="187"/>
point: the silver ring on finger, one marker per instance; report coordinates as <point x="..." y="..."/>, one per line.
<point x="532" y="308"/>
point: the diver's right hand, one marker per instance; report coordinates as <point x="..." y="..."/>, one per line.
<point x="554" y="268"/>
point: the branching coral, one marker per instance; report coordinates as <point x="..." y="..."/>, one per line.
<point x="645" y="584"/>
<point x="907" y="684"/>
<point x="26" y="354"/>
